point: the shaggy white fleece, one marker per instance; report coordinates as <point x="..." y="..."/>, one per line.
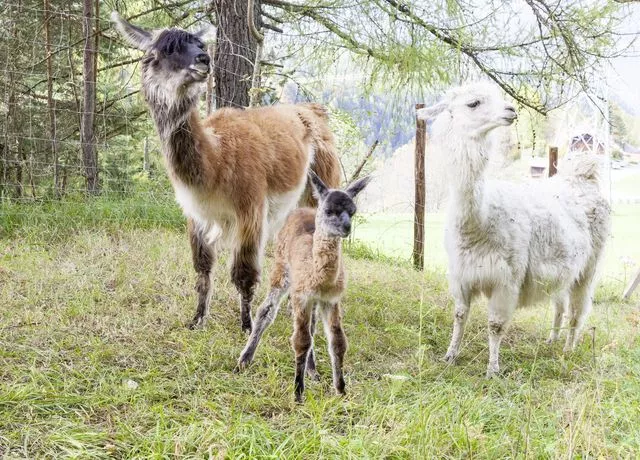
<point x="516" y="243"/>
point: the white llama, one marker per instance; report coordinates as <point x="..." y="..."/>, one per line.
<point x="516" y="243"/>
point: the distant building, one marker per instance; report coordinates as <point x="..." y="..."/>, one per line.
<point x="586" y="143"/>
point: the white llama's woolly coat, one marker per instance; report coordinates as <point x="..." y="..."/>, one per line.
<point x="516" y="243"/>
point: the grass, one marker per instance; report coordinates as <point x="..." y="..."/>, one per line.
<point x="96" y="362"/>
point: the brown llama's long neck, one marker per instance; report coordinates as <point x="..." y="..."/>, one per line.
<point x="327" y="257"/>
<point x="178" y="125"/>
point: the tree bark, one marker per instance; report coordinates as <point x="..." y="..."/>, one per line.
<point x="420" y="198"/>
<point x="235" y="52"/>
<point x="87" y="134"/>
<point x="50" y="102"/>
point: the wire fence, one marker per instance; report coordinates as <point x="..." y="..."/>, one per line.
<point x="41" y="89"/>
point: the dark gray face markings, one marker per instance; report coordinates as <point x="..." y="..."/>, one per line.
<point x="337" y="202"/>
<point x="175" y="50"/>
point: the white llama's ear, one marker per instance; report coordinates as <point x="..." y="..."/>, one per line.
<point x="320" y="190"/>
<point x="428" y="113"/>
<point x="356" y="187"/>
<point x="134" y="35"/>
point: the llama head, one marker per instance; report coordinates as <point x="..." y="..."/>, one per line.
<point x="174" y="61"/>
<point x="473" y="110"/>
<point x="335" y="207"/>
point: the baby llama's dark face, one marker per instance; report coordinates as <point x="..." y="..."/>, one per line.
<point x="176" y="60"/>
<point x="335" y="212"/>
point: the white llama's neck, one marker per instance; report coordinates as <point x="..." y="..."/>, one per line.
<point x="468" y="163"/>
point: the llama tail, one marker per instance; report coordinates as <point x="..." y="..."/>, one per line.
<point x="325" y="161"/>
<point x="584" y="167"/>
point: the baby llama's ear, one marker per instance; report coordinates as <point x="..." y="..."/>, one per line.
<point x="429" y="113"/>
<point x="134" y="35"/>
<point x="356" y="187"/>
<point x="320" y="190"/>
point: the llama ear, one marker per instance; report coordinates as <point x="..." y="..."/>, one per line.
<point x="356" y="187"/>
<point x="428" y="113"/>
<point x="134" y="35"/>
<point x="320" y="190"/>
<point x="207" y="33"/>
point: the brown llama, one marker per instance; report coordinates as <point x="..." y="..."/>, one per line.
<point x="309" y="266"/>
<point x="236" y="174"/>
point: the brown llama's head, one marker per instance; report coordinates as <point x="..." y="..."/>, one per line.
<point x="175" y="60"/>
<point x="335" y="207"/>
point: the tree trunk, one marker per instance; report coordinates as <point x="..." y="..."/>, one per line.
<point x="87" y="134"/>
<point x="210" y="97"/>
<point x="235" y="52"/>
<point x="50" y="104"/>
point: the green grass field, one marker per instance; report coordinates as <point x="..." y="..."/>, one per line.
<point x="96" y="362"/>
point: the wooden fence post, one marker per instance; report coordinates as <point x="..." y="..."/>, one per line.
<point x="632" y="286"/>
<point x="553" y="161"/>
<point x="418" y="221"/>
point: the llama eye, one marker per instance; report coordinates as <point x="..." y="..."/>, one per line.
<point x="473" y="105"/>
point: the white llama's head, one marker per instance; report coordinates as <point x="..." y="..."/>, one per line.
<point x="472" y="110"/>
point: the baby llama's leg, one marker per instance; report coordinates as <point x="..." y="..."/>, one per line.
<point x="337" y="341"/>
<point x="301" y="339"/>
<point x="312" y="372"/>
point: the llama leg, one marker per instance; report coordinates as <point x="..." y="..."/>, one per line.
<point x="245" y="270"/>
<point x="332" y="320"/>
<point x="312" y="372"/>
<point x="559" y="307"/>
<point x="265" y="316"/>
<point x="204" y="256"/>
<point x="461" y="314"/>
<point x="579" y="308"/>
<point x="502" y="304"/>
<point x="301" y="340"/>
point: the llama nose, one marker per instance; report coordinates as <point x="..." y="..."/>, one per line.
<point x="203" y="58"/>
<point x="511" y="108"/>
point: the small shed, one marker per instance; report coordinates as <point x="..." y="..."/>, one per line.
<point x="538" y="167"/>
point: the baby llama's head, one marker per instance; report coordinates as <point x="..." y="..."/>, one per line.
<point x="335" y="207"/>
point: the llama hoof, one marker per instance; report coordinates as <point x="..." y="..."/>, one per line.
<point x="240" y="367"/>
<point x="313" y="375"/>
<point x="551" y="340"/>
<point x="493" y="373"/>
<point x="246" y="327"/>
<point x="450" y="358"/>
<point x="197" y="323"/>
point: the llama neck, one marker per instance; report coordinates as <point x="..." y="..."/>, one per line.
<point x="327" y="257"/>
<point x="469" y="161"/>
<point x="178" y="126"/>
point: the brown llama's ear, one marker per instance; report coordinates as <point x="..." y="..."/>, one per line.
<point x="320" y="190"/>
<point x="134" y="35"/>
<point x="207" y="33"/>
<point x="356" y="187"/>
